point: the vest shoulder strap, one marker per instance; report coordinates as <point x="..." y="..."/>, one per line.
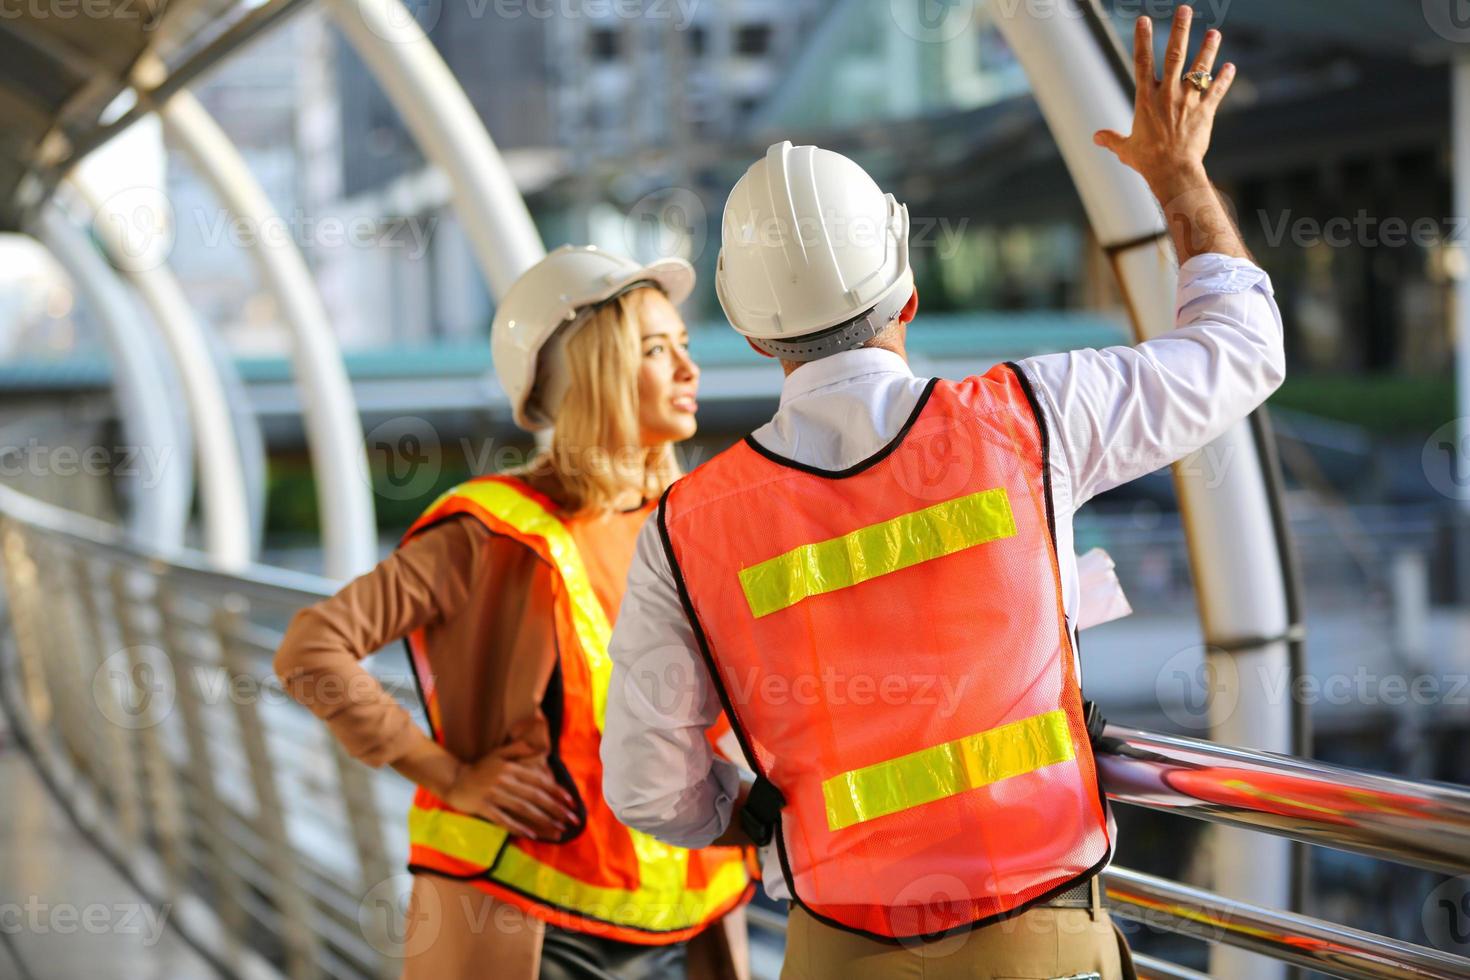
<point x="508" y="506"/>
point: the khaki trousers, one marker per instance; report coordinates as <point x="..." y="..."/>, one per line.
<point x="453" y="930"/>
<point x="1041" y="944"/>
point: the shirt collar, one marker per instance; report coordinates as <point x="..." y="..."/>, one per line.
<point x="843" y="366"/>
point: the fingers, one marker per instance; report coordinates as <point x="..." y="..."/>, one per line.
<point x="1143" y="54"/>
<point x="498" y="816"/>
<point x="1109" y="139"/>
<point x="548" y="804"/>
<point x="1220" y="86"/>
<point x="1178" y="47"/>
<point x="1205" y="59"/>
<point x="544" y="824"/>
<point x="540" y="779"/>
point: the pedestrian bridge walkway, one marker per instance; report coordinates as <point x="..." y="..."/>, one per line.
<point x="65" y="909"/>
<point x="167" y="798"/>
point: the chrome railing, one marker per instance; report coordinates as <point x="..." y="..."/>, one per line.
<point x="1423" y="824"/>
<point x="141" y="684"/>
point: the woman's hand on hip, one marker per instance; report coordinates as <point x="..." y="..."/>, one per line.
<point x="513" y="787"/>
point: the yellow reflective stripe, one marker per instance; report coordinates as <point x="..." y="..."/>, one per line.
<point x="942" y="771"/>
<point x="867" y="553"/>
<point x="661" y="903"/>
<point x="456" y="834"/>
<point x="588" y="617"/>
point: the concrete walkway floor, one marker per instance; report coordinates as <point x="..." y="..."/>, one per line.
<point x="65" y="911"/>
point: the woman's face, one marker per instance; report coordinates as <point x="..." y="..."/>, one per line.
<point x="668" y="379"/>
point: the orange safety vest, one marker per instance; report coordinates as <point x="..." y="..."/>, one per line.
<point x="608" y="880"/>
<point x="890" y="645"/>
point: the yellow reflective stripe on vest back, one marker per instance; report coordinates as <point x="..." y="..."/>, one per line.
<point x="459" y="835"/>
<point x="660" y="904"/>
<point x="946" y="770"/>
<point x="588" y="617"/>
<point x="876" y="550"/>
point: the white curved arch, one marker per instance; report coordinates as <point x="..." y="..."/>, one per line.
<point x="225" y="504"/>
<point x="333" y="427"/>
<point x="446" y="127"/>
<point x="160" y="513"/>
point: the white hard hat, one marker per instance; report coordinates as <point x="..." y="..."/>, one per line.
<point x="814" y="257"/>
<point x="548" y="303"/>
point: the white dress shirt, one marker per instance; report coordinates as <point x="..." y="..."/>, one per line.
<point x="1112" y="415"/>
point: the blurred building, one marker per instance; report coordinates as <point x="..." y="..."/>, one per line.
<point x="570" y="101"/>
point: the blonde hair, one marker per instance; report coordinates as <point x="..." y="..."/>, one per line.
<point x="596" y="454"/>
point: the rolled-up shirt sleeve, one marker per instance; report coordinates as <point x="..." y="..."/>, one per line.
<point x="1122" y="412"/>
<point x="660" y="774"/>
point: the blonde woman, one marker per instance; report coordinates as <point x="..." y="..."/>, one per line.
<point x="505" y="591"/>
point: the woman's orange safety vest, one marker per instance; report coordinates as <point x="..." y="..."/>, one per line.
<point x="890" y="645"/>
<point x="607" y="880"/>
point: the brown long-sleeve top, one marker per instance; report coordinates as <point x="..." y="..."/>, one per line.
<point x="485" y="602"/>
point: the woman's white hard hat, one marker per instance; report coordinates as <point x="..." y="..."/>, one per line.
<point x="814" y="257"/>
<point x="548" y="303"/>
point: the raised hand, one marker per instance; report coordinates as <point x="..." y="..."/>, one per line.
<point x="1172" y="123"/>
<point x="1172" y="119"/>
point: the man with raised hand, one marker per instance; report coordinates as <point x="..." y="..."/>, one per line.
<point x="879" y="585"/>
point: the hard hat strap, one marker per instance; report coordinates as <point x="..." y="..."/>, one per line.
<point x="846" y="335"/>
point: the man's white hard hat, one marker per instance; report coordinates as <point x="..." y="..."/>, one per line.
<point x="551" y="301"/>
<point x="814" y="257"/>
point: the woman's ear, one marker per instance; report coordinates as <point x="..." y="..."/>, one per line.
<point x="910" y="308"/>
<point x="757" y="349"/>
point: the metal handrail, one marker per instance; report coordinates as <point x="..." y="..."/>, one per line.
<point x="1415" y="822"/>
<point x="78" y="587"/>
<point x="1332" y="949"/>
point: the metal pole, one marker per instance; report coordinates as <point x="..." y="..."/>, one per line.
<point x="141" y="386"/>
<point x="1412" y="821"/>
<point x="333" y="427"/>
<point x="1223" y="503"/>
<point x="225" y="506"/>
<point x="445" y="125"/>
<point x="1329" y="948"/>
<point x="1460" y="455"/>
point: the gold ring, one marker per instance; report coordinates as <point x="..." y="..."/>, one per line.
<point x="1200" y="79"/>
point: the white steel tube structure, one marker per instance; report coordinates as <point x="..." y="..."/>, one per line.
<point x="1222" y="493"/>
<point x="445" y="125"/>
<point x="224" y="504"/>
<point x="141" y="386"/>
<point x="329" y="412"/>
<point x="1460" y="452"/>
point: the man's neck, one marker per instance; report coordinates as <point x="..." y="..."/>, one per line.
<point x="896" y="348"/>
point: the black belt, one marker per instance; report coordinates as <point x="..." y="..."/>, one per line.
<point x="1083" y="896"/>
